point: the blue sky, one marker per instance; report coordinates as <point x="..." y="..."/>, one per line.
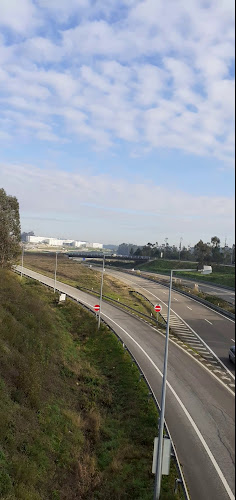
<point x="117" y="118"/>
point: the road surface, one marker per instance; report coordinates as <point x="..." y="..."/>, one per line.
<point x="217" y="291"/>
<point x="199" y="409"/>
<point x="215" y="329"/>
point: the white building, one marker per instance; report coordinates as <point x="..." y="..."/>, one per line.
<point x="54" y="242"/>
<point x="59" y="242"/>
<point x="80" y="244"/>
<point x="95" y="245"/>
<point x="35" y="239"/>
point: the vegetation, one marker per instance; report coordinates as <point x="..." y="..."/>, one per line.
<point x="203" y="253"/>
<point x="221" y="275"/>
<point x="75" y="420"/>
<point x="9" y="229"/>
<point x="78" y="275"/>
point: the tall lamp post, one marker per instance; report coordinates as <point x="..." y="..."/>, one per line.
<point x="55" y="275"/>
<point x="103" y="270"/>
<point x="22" y="260"/>
<point x="180" y="247"/>
<point x="157" y="488"/>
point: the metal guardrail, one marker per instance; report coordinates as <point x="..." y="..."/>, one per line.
<point x="187" y="294"/>
<point x="180" y="480"/>
<point x="107" y="298"/>
<point x="199" y="280"/>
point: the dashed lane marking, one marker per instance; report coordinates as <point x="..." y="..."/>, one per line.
<point x="208" y="321"/>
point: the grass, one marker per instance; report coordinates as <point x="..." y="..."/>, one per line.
<point x="221" y="275"/>
<point x="76" y="274"/>
<point x="75" y="420"/>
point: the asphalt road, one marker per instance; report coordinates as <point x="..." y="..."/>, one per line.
<point x="215" y="329"/>
<point x="223" y="293"/>
<point x="199" y="409"/>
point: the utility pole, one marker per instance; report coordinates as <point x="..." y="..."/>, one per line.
<point x="232" y="255"/>
<point x="166" y="240"/>
<point x="103" y="270"/>
<point x="22" y="260"/>
<point x="158" y="476"/>
<point x="55" y="277"/>
<point x="180" y="246"/>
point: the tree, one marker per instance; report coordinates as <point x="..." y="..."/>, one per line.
<point x="216" y="255"/>
<point x="9" y="228"/>
<point x="24" y="235"/>
<point x="202" y="252"/>
<point x="215" y="241"/>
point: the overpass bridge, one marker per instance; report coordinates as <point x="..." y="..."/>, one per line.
<point x="99" y="255"/>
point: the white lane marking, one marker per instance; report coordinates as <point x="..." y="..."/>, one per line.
<point x="204" y="367"/>
<point x="176" y="299"/>
<point x="189" y="308"/>
<point x="225" y="386"/>
<point x="193" y="300"/>
<point x="208" y="321"/>
<point x="233" y="340"/>
<point x="190" y="328"/>
<point x="195" y="427"/>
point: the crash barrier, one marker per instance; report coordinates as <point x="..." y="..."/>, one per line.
<point x="107" y="298"/>
<point x="187" y="294"/>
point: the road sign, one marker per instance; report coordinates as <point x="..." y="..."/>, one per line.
<point x="158" y="308"/>
<point x="97" y="307"/>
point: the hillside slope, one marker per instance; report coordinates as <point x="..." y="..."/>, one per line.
<point x="75" y="421"/>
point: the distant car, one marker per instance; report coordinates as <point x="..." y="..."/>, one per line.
<point x="232" y="354"/>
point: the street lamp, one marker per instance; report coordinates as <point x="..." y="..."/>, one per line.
<point x="157" y="488"/>
<point x="180" y="247"/>
<point x="103" y="270"/>
<point x="22" y="260"/>
<point x="55" y="276"/>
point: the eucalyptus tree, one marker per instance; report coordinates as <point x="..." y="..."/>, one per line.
<point x="9" y="229"/>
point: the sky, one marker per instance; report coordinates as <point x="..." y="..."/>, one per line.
<point x="117" y="118"/>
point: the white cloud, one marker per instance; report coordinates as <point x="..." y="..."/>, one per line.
<point x="143" y="72"/>
<point x="20" y="16"/>
<point x="69" y="195"/>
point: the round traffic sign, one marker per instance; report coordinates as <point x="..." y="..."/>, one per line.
<point x="97" y="307"/>
<point x="158" y="308"/>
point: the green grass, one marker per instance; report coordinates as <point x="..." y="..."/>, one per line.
<point x="76" y="423"/>
<point x="76" y="274"/>
<point x="221" y="275"/>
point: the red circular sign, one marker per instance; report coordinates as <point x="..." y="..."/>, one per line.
<point x="97" y="307"/>
<point x="158" y="308"/>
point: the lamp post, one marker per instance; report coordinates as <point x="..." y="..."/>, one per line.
<point x="157" y="488"/>
<point x="180" y="247"/>
<point x="22" y="260"/>
<point x="103" y="270"/>
<point x="55" y="276"/>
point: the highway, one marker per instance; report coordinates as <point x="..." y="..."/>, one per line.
<point x="216" y="330"/>
<point x="199" y="408"/>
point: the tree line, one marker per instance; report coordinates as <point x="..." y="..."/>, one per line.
<point x="203" y="253"/>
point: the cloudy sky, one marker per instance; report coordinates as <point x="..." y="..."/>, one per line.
<point x="117" y="118"/>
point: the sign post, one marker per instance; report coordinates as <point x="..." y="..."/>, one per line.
<point x="158" y="309"/>
<point x="97" y="309"/>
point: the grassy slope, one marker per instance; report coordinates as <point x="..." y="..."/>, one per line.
<point x="75" y="421"/>
<point x="222" y="275"/>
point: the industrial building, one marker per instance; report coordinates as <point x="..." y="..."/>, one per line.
<point x="59" y="242"/>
